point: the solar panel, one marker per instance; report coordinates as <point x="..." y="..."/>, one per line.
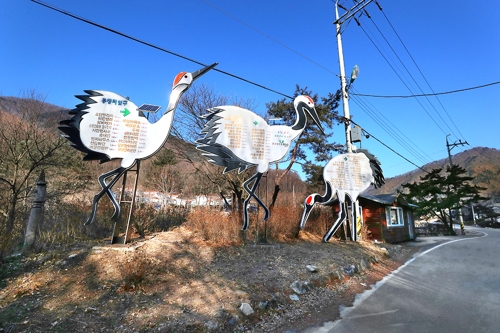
<point x="275" y="120"/>
<point x="149" y="108"/>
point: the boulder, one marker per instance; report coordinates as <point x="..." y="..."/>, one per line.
<point x="300" y="287"/>
<point x="311" y="268"/>
<point x="350" y="270"/>
<point x="246" y="309"/>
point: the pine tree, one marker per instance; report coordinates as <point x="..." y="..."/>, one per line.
<point x="311" y="139"/>
<point x="438" y="194"/>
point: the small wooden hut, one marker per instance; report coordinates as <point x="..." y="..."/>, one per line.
<point x="389" y="217"/>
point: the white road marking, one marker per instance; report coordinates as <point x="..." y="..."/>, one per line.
<point x="372" y="314"/>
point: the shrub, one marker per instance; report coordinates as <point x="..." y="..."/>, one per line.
<point x="215" y="226"/>
<point x="320" y="220"/>
<point x="146" y="218"/>
<point x="134" y="271"/>
<point x="63" y="223"/>
<point x="284" y="223"/>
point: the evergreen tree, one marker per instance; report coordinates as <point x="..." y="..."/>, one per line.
<point x="438" y="194"/>
<point x="311" y="139"/>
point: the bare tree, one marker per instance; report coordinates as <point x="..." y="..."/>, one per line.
<point x="164" y="174"/>
<point x="187" y="126"/>
<point x="29" y="143"/>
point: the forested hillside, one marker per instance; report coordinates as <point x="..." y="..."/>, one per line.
<point x="178" y="168"/>
<point x="482" y="163"/>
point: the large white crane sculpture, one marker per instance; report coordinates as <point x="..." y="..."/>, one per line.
<point x="236" y="138"/>
<point x="107" y="126"/>
<point x="345" y="174"/>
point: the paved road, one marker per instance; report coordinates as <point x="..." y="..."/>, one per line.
<point x="449" y="287"/>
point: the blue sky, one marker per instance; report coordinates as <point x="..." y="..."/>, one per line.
<point x="277" y="44"/>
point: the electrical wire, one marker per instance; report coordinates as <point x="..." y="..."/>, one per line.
<point x="269" y="37"/>
<point x="395" y="152"/>
<point x="384" y="123"/>
<point x="392" y="67"/>
<point x="412" y="77"/>
<point x="424" y="95"/>
<point x="155" y="46"/>
<point x="420" y="71"/>
<point x="189" y="59"/>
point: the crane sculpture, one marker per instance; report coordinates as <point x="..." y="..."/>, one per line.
<point x="345" y="174"/>
<point x="107" y="126"/>
<point x="236" y="138"/>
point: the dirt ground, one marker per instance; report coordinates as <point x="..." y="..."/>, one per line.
<point x="175" y="282"/>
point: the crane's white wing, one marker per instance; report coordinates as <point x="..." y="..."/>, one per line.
<point x="247" y="135"/>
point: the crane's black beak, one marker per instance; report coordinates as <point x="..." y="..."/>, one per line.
<point x="314" y="116"/>
<point x="202" y="71"/>
<point x="305" y="214"/>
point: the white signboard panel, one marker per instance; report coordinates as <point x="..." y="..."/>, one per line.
<point x="251" y="139"/>
<point x="113" y="126"/>
<point x="349" y="173"/>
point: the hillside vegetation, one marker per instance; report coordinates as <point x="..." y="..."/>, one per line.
<point x="185" y="270"/>
<point x="482" y="163"/>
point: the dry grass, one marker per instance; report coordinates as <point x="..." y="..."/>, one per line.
<point x="174" y="281"/>
<point x="220" y="228"/>
<point x="365" y="232"/>
<point x="215" y="226"/>
<point x="133" y="270"/>
<point x="320" y="220"/>
<point x="284" y="223"/>
<point x="64" y="223"/>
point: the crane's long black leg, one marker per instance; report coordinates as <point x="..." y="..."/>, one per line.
<point x="111" y="195"/>
<point x="254" y="187"/>
<point x="98" y="196"/>
<point x="337" y="224"/>
<point x="106" y="190"/>
<point x="251" y="195"/>
<point x="354" y="232"/>
<point x="245" y="203"/>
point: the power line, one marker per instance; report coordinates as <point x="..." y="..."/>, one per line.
<point x="185" y="58"/>
<point x="433" y="94"/>
<point x="154" y="46"/>
<point x="267" y="36"/>
<point x="421" y="73"/>
<point x="385" y="58"/>
<point x="395" y="152"/>
<point x="383" y="122"/>
<point x="412" y="77"/>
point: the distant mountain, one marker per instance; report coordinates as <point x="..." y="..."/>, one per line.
<point x="482" y="163"/>
<point x="11" y="105"/>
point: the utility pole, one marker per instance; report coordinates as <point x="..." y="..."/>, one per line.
<point x="360" y="5"/>
<point x="343" y="82"/>
<point x="453" y="145"/>
<point x="473" y="213"/>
